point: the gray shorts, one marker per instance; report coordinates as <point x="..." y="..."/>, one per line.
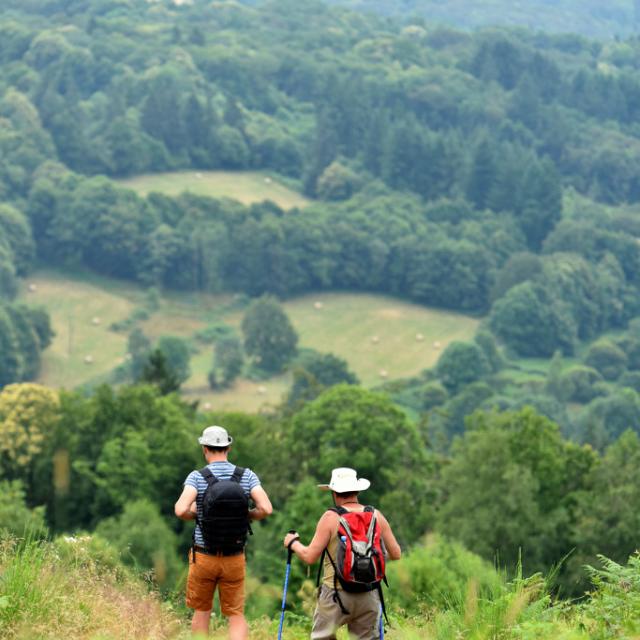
<point x="363" y="620"/>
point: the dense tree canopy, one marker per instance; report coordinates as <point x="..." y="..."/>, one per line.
<point x="438" y="155"/>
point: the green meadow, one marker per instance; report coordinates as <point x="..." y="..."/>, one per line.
<point x="381" y="338"/>
<point x="247" y="187"/>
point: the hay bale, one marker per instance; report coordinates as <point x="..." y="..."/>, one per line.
<point x="207" y="406"/>
<point x="268" y="180"/>
<point x="95" y="321"/>
<point x="262" y="390"/>
<point x="318" y="305"/>
<point x="375" y="339"/>
<point x="383" y="373"/>
<point x="199" y="176"/>
<point x="436" y="345"/>
<point x="33" y="287"/>
<point x="88" y="359"/>
<point x="419" y="337"/>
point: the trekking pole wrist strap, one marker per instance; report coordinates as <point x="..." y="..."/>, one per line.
<point x="290" y="545"/>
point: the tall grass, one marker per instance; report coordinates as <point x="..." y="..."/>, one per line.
<point x="27" y="588"/>
<point x="76" y="588"/>
<point x="72" y="589"/>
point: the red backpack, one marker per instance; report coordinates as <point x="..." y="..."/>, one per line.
<point x="360" y="561"/>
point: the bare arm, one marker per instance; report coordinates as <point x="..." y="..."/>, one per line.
<point x="185" y="506"/>
<point x="327" y="525"/>
<point x="391" y="544"/>
<point x="263" y="506"/>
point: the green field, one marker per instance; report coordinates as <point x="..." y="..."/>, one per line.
<point x="74" y="306"/>
<point x="380" y="337"/>
<point x="247" y="187"/>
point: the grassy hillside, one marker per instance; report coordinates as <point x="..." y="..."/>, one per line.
<point x="380" y="337"/>
<point x="81" y="312"/>
<point x="245" y="186"/>
<point x="76" y="588"/>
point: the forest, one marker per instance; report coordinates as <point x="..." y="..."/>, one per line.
<point x="492" y="172"/>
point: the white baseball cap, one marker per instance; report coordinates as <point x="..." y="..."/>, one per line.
<point x="345" y="480"/>
<point x="215" y="436"/>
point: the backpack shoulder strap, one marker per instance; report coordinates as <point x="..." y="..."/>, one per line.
<point x="325" y="552"/>
<point x="207" y="474"/>
<point x="369" y="509"/>
<point x="320" y="566"/>
<point x="237" y="474"/>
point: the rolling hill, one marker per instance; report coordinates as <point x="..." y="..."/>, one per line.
<point x="380" y="337"/>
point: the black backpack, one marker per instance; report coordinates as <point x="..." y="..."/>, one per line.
<point x="225" y="513"/>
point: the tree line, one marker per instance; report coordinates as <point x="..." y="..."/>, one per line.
<point x="511" y="488"/>
<point x="443" y="163"/>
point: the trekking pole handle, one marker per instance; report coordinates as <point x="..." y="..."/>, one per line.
<point x="290" y="550"/>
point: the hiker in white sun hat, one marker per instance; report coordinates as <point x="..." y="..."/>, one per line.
<point x="354" y="541"/>
<point x="345" y="480"/>
<point x="217" y="498"/>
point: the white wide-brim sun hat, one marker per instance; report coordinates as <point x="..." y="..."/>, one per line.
<point x="215" y="436"/>
<point x="345" y="480"/>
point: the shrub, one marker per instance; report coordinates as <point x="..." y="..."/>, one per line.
<point x="338" y="182"/>
<point x="145" y="540"/>
<point x="213" y="332"/>
<point x="607" y="358"/>
<point x="460" y="364"/>
<point x="433" y="395"/>
<point x="15" y="517"/>
<point x="577" y="384"/>
<point x="614" y="608"/>
<point x="438" y="574"/>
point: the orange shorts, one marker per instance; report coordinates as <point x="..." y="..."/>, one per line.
<point x="226" y="573"/>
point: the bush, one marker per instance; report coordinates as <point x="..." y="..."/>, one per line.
<point x="214" y="332"/>
<point x="486" y="341"/>
<point x="145" y="540"/>
<point x="15" y="517"/>
<point x="438" y="574"/>
<point x="614" y="608"/>
<point x="433" y="395"/>
<point x="338" y="182"/>
<point x="607" y="358"/>
<point x="577" y="384"/>
<point x="460" y="364"/>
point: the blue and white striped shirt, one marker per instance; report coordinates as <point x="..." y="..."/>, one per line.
<point x="223" y="471"/>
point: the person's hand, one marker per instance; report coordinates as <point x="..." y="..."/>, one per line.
<point x="289" y="538"/>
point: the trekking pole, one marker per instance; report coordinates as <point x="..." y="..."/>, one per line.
<point x="286" y="585"/>
<point x="381" y="624"/>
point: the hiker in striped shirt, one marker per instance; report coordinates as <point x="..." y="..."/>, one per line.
<point x="217" y="498"/>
